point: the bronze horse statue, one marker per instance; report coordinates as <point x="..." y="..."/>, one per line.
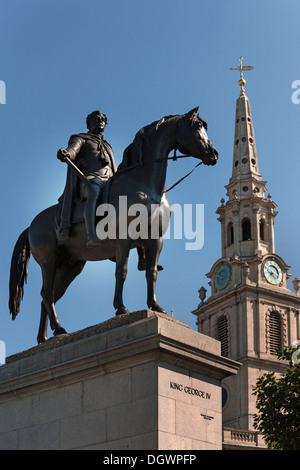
<point x="141" y="177"/>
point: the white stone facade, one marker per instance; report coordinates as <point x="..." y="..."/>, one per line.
<point x="250" y="309"/>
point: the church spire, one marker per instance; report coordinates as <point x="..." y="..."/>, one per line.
<point x="245" y="163"/>
<point x="247" y="217"/>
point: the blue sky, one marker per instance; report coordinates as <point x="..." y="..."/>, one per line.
<point x="138" y="61"/>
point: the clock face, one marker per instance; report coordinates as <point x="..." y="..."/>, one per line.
<point x="222" y="277"/>
<point x="272" y="272"/>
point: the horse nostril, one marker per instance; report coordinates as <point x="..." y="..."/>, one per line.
<point x="216" y="153"/>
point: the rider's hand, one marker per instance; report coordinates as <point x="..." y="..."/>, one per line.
<point x="62" y="154"/>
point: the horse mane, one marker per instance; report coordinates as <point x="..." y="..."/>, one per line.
<point x="134" y="153"/>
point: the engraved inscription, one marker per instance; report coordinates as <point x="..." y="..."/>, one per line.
<point x="190" y="390"/>
<point x="207" y="417"/>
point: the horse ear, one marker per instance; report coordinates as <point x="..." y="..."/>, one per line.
<point x="192" y="112"/>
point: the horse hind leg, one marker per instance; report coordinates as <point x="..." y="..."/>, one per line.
<point x="63" y="278"/>
<point x="47" y="294"/>
<point x="42" y="334"/>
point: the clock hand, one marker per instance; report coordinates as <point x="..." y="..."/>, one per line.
<point x="272" y="271"/>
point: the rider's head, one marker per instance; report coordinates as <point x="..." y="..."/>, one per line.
<point x="96" y="120"/>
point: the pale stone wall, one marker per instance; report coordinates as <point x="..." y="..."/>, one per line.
<point x="188" y="419"/>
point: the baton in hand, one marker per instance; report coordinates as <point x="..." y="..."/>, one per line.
<point x="76" y="170"/>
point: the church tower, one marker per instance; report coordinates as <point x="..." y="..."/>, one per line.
<point x="250" y="309"/>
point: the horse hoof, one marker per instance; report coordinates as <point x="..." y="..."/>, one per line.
<point x="122" y="311"/>
<point x="59" y="331"/>
<point x="158" y="308"/>
<point x="41" y="340"/>
<point x="142" y="266"/>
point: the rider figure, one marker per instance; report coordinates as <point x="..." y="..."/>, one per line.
<point x="94" y="157"/>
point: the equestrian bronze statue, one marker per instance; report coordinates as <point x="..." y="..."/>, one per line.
<point x="64" y="237"/>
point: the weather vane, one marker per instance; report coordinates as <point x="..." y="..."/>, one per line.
<point x="242" y="68"/>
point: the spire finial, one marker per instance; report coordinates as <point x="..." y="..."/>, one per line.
<point x="242" y="68"/>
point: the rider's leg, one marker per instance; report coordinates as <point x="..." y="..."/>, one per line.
<point x="92" y="192"/>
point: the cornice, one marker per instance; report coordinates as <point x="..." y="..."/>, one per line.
<point x="263" y="293"/>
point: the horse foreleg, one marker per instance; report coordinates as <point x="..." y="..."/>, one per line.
<point x="122" y="253"/>
<point x="152" y="252"/>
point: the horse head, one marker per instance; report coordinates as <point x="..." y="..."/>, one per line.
<point x="191" y="138"/>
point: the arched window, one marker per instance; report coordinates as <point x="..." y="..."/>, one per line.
<point x="262" y="229"/>
<point x="246" y="229"/>
<point x="230" y="234"/>
<point x="275" y="333"/>
<point x="222" y="334"/>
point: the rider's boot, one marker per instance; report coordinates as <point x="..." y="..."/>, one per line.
<point x="142" y="260"/>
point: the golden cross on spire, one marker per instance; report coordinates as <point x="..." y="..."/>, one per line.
<point x="242" y="68"/>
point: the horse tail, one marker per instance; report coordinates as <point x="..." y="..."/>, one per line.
<point x="18" y="273"/>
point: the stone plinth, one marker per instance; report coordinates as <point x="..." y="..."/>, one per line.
<point x="139" y="381"/>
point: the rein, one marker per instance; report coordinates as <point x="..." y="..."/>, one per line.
<point x="174" y="158"/>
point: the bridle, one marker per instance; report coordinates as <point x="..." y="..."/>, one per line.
<point x="161" y="160"/>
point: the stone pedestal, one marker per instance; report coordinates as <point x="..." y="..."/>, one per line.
<point x="142" y="381"/>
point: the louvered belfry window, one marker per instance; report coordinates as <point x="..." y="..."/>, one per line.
<point x="222" y="334"/>
<point x="275" y="333"/>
